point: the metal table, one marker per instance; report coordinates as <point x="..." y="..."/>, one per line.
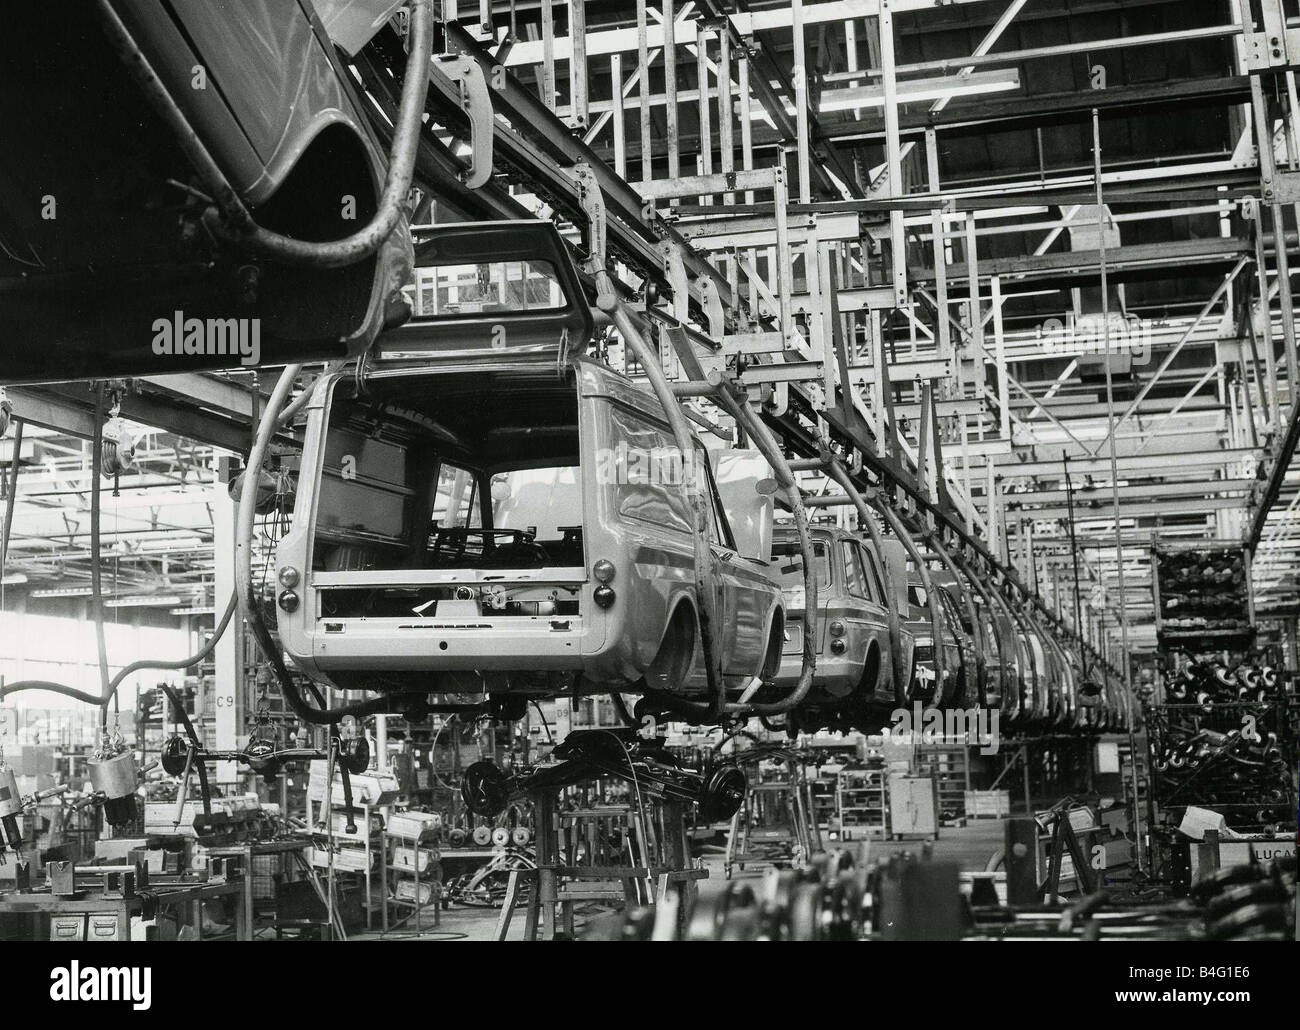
<point x="245" y="853"/>
<point x="41" y="902"/>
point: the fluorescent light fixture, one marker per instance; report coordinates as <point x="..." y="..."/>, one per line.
<point x="62" y="592"/>
<point x="143" y="601"/>
<point x="14" y="579"/>
<point x="918" y="90"/>
<point x="194" y="611"/>
<point x="909" y="91"/>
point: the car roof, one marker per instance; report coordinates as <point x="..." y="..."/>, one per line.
<point x="790" y="532"/>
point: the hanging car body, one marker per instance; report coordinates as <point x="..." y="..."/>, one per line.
<point x="958" y="649"/>
<point x="854" y="674"/>
<point x="486" y="511"/>
<point x="104" y="245"/>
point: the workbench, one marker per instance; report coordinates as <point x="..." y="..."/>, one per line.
<point x="245" y="852"/>
<point x="121" y="909"/>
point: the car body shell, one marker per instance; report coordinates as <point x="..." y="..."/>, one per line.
<point x="974" y="648"/>
<point x="958" y="648"/>
<point x="641" y="529"/>
<point x="862" y="671"/>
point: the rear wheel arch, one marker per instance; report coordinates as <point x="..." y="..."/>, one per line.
<point x="775" y="646"/>
<point x="671" y="664"/>
<point x="871" y="669"/>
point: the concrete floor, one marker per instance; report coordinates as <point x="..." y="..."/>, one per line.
<point x="459" y="923"/>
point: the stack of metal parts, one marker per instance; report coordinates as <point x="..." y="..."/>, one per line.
<point x="1252" y="902"/>
<point x="1202" y="591"/>
<point x="909" y="897"/>
<point x="822" y="901"/>
<point x="1222" y="742"/>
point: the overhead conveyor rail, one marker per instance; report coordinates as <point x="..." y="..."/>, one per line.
<point x="533" y="145"/>
<point x="856" y="315"/>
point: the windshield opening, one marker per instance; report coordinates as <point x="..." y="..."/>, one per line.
<point x="494" y="287"/>
<point x="787" y="563"/>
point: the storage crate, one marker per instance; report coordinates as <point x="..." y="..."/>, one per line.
<point x="371" y="787"/>
<point x="413" y="859"/>
<point x="988" y="804"/>
<point x="346" y="860"/>
<point x="418" y="826"/>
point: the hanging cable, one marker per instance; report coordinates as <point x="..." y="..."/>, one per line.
<point x="1114" y="475"/>
<point x="550" y="739"/>
<point x="246" y="588"/>
<point x="96" y="581"/>
<point x="134" y="667"/>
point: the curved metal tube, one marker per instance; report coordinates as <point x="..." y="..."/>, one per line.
<point x="766" y="442"/>
<point x="298" y="403"/>
<point x="244" y="587"/>
<point x="1031" y="710"/>
<point x="977" y="633"/>
<point x="706" y="595"/>
<point x="838" y="473"/>
<point x="931" y="598"/>
<point x="1012" y="701"/>
<point x="959" y="560"/>
<point x="230" y="218"/>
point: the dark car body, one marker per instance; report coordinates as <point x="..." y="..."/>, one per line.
<point x="99" y="206"/>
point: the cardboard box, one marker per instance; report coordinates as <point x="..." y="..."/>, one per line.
<point x="368" y="788"/>
<point x="414" y="825"/>
<point x="988" y="804"/>
<point x="346" y="860"/>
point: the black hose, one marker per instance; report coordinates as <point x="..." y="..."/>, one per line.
<point x="550" y="738"/>
<point x="180" y="663"/>
<point x="90" y="699"/>
<point x="620" y="706"/>
<point x="54" y="688"/>
<point x="351" y="825"/>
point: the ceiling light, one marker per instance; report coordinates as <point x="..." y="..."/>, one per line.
<point x="143" y="601"/>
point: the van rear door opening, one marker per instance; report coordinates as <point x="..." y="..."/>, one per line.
<point x="473" y="474"/>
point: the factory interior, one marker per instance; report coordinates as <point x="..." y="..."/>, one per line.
<point x="911" y="550"/>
